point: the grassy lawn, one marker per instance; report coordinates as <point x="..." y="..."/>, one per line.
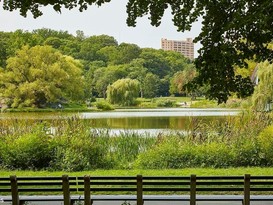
<point x="167" y="172"/>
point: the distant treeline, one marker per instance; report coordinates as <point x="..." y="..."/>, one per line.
<point x="102" y="61"/>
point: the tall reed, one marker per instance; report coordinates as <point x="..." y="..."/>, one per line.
<point x="71" y="144"/>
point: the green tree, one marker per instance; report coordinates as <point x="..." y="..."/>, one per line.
<point x="151" y="85"/>
<point x="55" y="42"/>
<point x="91" y="45"/>
<point x="61" y="40"/>
<point x="45" y="33"/>
<point x="232" y="31"/>
<point x="263" y="93"/>
<point x="121" y="54"/>
<point x="80" y="35"/>
<point x="4" y="48"/>
<point x="164" y="85"/>
<point x="180" y="80"/>
<point x="109" y="54"/>
<point x="40" y="75"/>
<point x="123" y="92"/>
<point x="20" y="38"/>
<point x="89" y="73"/>
<point x="65" y="46"/>
<point x="128" y="52"/>
<point x="106" y="76"/>
<point x="137" y="71"/>
<point x="176" y="61"/>
<point x="155" y="62"/>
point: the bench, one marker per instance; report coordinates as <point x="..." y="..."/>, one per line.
<point x="140" y="189"/>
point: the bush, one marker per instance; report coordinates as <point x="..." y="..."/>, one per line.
<point x="80" y="151"/>
<point x="217" y="155"/>
<point x="167" y="153"/>
<point x="147" y="105"/>
<point x="265" y="141"/>
<point x="103" y="105"/>
<point x="247" y="153"/>
<point x="204" y="104"/>
<point x="170" y="155"/>
<point x="29" y="151"/>
<point x="166" y="103"/>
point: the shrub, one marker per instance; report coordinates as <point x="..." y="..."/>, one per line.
<point x="247" y="153"/>
<point x="147" y="105"/>
<point x="170" y="155"/>
<point x="204" y="104"/>
<point x="103" y="105"/>
<point x="166" y="103"/>
<point x="265" y="141"/>
<point x="167" y="153"/>
<point x="80" y="151"/>
<point x="29" y="151"/>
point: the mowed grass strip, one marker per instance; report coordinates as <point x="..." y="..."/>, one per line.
<point x="150" y="172"/>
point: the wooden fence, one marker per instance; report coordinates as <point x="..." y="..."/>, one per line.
<point x="88" y="189"/>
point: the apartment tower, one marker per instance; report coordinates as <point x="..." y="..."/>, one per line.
<point x="185" y="47"/>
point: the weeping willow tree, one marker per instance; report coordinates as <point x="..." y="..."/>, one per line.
<point x="263" y="93"/>
<point x="123" y="92"/>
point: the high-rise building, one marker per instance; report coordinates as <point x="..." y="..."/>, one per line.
<point x="186" y="47"/>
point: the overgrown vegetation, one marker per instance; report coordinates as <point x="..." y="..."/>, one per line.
<point x="72" y="145"/>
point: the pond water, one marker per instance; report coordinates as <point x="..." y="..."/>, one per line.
<point x="155" y="120"/>
<point x="138" y="120"/>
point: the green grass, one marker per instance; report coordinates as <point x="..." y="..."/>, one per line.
<point x="166" y="172"/>
<point x="181" y="99"/>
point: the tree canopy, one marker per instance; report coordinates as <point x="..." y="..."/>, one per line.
<point x="232" y="31"/>
<point x="40" y="75"/>
<point x="103" y="60"/>
<point x="123" y="92"/>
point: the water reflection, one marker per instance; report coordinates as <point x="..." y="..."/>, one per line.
<point x="176" y="123"/>
<point x="137" y="120"/>
<point x="171" y="112"/>
<point x="147" y="119"/>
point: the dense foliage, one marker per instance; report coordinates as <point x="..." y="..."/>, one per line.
<point x="123" y="92"/>
<point x="43" y="67"/>
<point x="263" y="93"/>
<point x="40" y="75"/>
<point x="232" y="32"/>
<point x="70" y="145"/>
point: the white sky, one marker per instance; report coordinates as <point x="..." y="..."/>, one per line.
<point x="110" y="19"/>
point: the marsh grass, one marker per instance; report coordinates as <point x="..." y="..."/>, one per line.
<point x="71" y="144"/>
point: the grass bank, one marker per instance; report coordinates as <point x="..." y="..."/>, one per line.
<point x="151" y="172"/>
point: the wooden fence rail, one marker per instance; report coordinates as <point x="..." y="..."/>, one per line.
<point x="88" y="189"/>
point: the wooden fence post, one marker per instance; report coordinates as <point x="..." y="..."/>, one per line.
<point x="87" y="192"/>
<point x="193" y="190"/>
<point x="139" y="190"/>
<point x="247" y="189"/>
<point x="66" y="191"/>
<point x="14" y="190"/>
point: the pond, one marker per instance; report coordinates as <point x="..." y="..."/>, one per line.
<point x="155" y="120"/>
<point x="138" y="120"/>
